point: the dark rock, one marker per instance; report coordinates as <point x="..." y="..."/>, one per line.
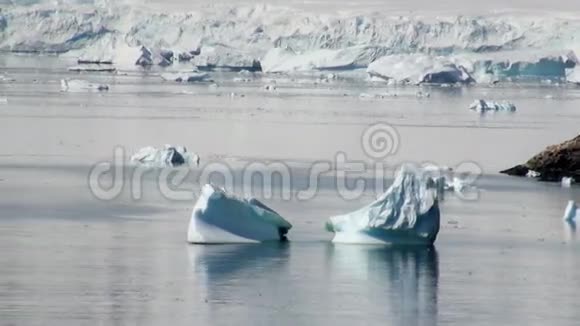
<point x="554" y="163"/>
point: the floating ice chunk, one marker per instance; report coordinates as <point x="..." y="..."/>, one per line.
<point x="183" y="77"/>
<point x="93" y="68"/>
<point x="165" y="157"/>
<point x="149" y="57"/>
<point x="218" y="217"/>
<point x="571" y="211"/>
<point x="567" y="182"/>
<point x="3" y="100"/>
<point x="418" y="69"/>
<point x="407" y="213"/>
<point x="484" y="106"/>
<point x="79" y="85"/>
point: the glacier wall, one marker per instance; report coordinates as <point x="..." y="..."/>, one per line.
<point x="287" y="40"/>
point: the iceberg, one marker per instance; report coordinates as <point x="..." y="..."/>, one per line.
<point x="226" y="58"/>
<point x="79" y="85"/>
<point x="185" y="77"/>
<point x="219" y="217"/>
<point x="418" y="69"/>
<point x="169" y="156"/>
<point x="482" y="106"/>
<point x="407" y="213"/>
<point x="571" y="211"/>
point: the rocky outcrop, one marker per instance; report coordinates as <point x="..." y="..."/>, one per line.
<point x="554" y="163"/>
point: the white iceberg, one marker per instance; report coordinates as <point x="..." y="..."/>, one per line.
<point x="407" y="213"/>
<point x="418" y="69"/>
<point x="185" y="77"/>
<point x="482" y="106"/>
<point x="218" y="217"/>
<point x="79" y="85"/>
<point x="168" y="156"/>
<point x="571" y="211"/>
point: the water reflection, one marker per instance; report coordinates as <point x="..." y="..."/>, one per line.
<point x="403" y="279"/>
<point x="316" y="283"/>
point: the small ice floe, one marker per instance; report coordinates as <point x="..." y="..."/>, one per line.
<point x="482" y="106"/>
<point x="168" y="156"/>
<point x="407" y="213"/>
<point x="92" y="68"/>
<point x="3" y="100"/>
<point x="571" y="211"/>
<point x="4" y="78"/>
<point x="421" y="94"/>
<point x="567" y="182"/>
<point x="219" y="217"/>
<point x="79" y="85"/>
<point x="185" y="77"/>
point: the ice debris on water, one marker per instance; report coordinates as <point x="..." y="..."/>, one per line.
<point x="79" y="85"/>
<point x="92" y="68"/>
<point x="485" y="106"/>
<point x="185" y="77"/>
<point x="407" y="213"/>
<point x="168" y="156"/>
<point x="219" y="217"/>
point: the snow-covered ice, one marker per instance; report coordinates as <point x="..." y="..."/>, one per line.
<point x="79" y="85"/>
<point x="418" y="69"/>
<point x="484" y="106"/>
<point x="219" y="217"/>
<point x="185" y="77"/>
<point x="407" y="213"/>
<point x="168" y="156"/>
<point x="571" y="212"/>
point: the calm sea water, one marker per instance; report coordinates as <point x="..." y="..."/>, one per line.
<point x="68" y="258"/>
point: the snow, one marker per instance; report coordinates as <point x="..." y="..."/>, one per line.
<point x="482" y="106"/>
<point x="567" y="182"/>
<point x="407" y="213"/>
<point x="79" y="85"/>
<point x="168" y="156"/>
<point x="533" y="174"/>
<point x="418" y="69"/>
<point x="219" y="217"/>
<point x="185" y="77"/>
<point x="571" y="211"/>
